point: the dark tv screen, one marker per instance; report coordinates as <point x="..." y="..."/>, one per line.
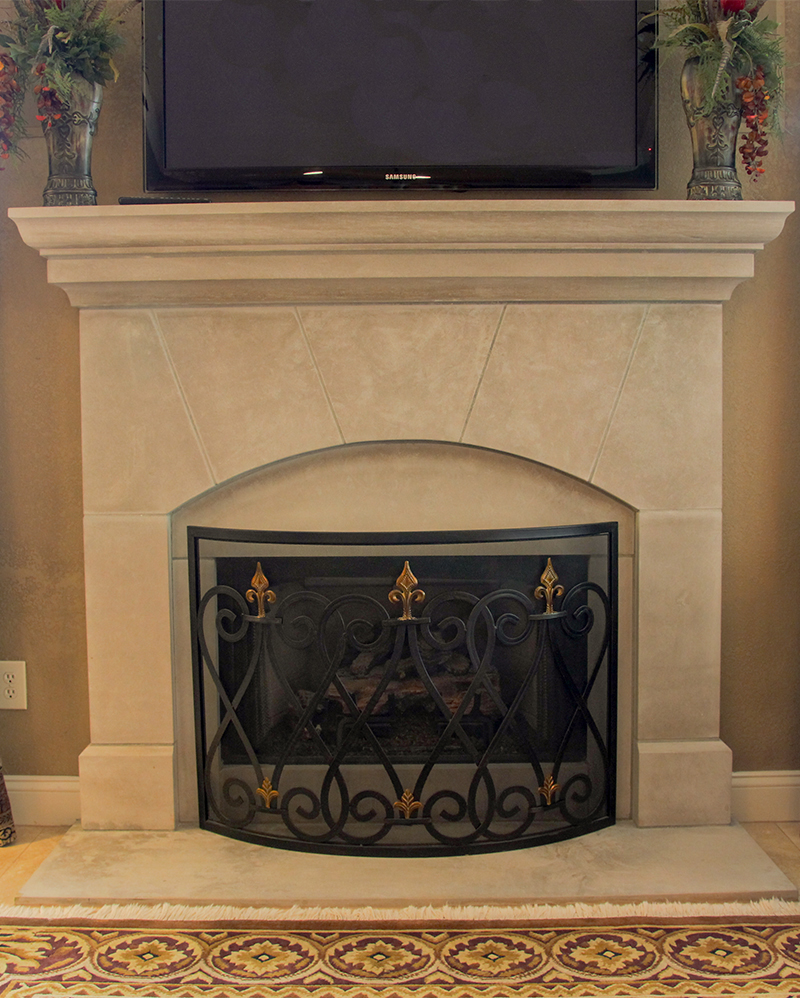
<point x="387" y="93"/>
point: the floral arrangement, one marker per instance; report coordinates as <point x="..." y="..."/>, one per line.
<point x="733" y="43"/>
<point x="51" y="42"/>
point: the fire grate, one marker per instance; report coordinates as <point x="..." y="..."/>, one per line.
<point x="403" y="694"/>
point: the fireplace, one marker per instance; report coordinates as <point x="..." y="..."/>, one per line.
<point x="296" y="366"/>
<point x="346" y="711"/>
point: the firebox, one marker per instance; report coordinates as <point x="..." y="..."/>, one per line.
<point x="405" y="694"/>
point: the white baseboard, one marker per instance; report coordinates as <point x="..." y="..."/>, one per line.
<point x="54" y="800"/>
<point x="766" y="796"/>
<point x="44" y="799"/>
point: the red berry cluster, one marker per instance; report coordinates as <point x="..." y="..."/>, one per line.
<point x="48" y="102"/>
<point x="9" y="91"/>
<point x="755" y="114"/>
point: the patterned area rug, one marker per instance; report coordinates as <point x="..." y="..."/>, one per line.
<point x="640" y="958"/>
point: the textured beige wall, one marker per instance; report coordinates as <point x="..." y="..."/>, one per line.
<point x="42" y="618"/>
<point x="41" y="565"/>
<point x="761" y="553"/>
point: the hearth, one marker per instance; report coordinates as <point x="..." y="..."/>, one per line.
<point x="343" y="708"/>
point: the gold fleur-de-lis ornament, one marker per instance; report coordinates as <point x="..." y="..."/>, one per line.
<point x="260" y="591"/>
<point x="267" y="792"/>
<point x="549" y="789"/>
<point x="408" y="804"/>
<point x="405" y="593"/>
<point x="550" y="587"/>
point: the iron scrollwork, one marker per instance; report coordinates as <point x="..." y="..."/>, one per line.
<point x="471" y="722"/>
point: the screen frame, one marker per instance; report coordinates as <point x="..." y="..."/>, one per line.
<point x="158" y="178"/>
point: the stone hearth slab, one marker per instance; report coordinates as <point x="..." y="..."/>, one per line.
<point x="620" y="864"/>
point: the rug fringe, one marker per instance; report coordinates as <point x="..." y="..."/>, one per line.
<point x="304" y="915"/>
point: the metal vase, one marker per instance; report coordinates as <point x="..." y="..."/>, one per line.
<point x="69" y="147"/>
<point x="714" y="135"/>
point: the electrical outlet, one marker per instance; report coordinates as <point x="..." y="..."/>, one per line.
<point x="13" y="684"/>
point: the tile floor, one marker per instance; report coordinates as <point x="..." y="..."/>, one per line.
<point x="20" y="860"/>
<point x="781" y="841"/>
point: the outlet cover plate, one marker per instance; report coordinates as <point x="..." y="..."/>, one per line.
<point x="13" y="684"/>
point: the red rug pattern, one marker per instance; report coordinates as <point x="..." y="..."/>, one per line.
<point x="649" y="958"/>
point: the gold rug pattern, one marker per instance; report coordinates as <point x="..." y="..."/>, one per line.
<point x="645" y="958"/>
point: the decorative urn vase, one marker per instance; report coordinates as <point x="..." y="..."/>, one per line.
<point x="714" y="135"/>
<point x="69" y="147"/>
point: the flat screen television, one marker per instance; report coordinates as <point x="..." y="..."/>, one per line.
<point x="413" y="94"/>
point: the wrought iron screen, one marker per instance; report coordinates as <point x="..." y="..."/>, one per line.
<point x="405" y="694"/>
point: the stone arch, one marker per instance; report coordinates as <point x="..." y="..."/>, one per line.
<point x="395" y="486"/>
<point x="402" y="486"/>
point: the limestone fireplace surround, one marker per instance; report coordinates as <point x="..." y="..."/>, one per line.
<point x="401" y="365"/>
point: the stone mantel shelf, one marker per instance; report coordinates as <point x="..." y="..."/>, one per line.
<point x="404" y="251"/>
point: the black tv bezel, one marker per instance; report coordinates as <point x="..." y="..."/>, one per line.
<point x="157" y="178"/>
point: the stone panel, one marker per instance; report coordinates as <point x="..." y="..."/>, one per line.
<point x="664" y="447"/>
<point x="140" y="451"/>
<point x="127" y="788"/>
<point x="128" y="628"/>
<point x="402" y="486"/>
<point x="678" y="629"/>
<point x="183" y="697"/>
<point x="250" y="384"/>
<point x="401" y="371"/>
<point x="552" y="381"/>
<point x="682" y="783"/>
<point x="626" y="693"/>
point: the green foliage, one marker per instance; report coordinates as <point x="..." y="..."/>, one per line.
<point x="59" y="39"/>
<point x="53" y="42"/>
<point x="728" y="44"/>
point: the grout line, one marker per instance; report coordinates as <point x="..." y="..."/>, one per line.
<point x="483" y="373"/>
<point x="15" y="873"/>
<point x="319" y="373"/>
<point x="184" y="400"/>
<point x="12" y="856"/>
<point x="618" y="396"/>
<point x="15" y="853"/>
<point x="49" y="831"/>
<point x="780" y="825"/>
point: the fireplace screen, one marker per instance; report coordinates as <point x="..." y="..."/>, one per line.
<point x="408" y="693"/>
